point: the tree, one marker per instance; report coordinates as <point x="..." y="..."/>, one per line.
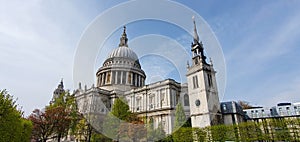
<point x="98" y="137"/>
<point x="57" y="119"/>
<point x="12" y="126"/>
<point x="84" y="130"/>
<point x="180" y="117"/>
<point x="120" y="113"/>
<point x="42" y="128"/>
<point x="134" y="129"/>
<point x="64" y="113"/>
<point x="26" y="129"/>
<point x="155" y="134"/>
<point x="61" y="121"/>
<point x="120" y="109"/>
<point x="201" y="134"/>
<point x="183" y="134"/>
<point x="111" y="126"/>
<point x="244" y="104"/>
<point x="121" y="124"/>
<point x="223" y="133"/>
<point x="180" y="122"/>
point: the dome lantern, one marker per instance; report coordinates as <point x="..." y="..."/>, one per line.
<point x="123" y="39"/>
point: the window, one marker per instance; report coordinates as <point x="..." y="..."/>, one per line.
<point x="224" y="107"/>
<point x="151" y="101"/>
<point x="288" y="110"/>
<point x="195" y="81"/>
<point x="210" y="84"/>
<point x="129" y="78"/>
<point x="113" y="77"/>
<point x="104" y="77"/>
<point x="162" y="94"/>
<point x="256" y="113"/>
<point x="280" y="111"/>
<point x="133" y="79"/>
<point x="108" y="77"/>
<point x="186" y="100"/>
<point x="99" y="80"/>
<point x="138" y="80"/>
<point x="118" y="77"/>
<point x="123" y="77"/>
<point x="138" y="103"/>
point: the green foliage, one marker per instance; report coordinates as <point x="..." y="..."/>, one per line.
<point x="155" y="134"/>
<point x="64" y="112"/>
<point x="58" y="118"/>
<point x="250" y="131"/>
<point x="121" y="124"/>
<point x="294" y="129"/>
<point x="100" y="138"/>
<point x="272" y="129"/>
<point x="84" y="130"/>
<point x="180" y="117"/>
<point x="111" y="126"/>
<point x="200" y="134"/>
<point x="12" y="126"/>
<point x="26" y="130"/>
<point x="183" y="134"/>
<point x="120" y="113"/>
<point x="280" y="129"/>
<point x="169" y="138"/>
<point x="42" y="128"/>
<point x="222" y="132"/>
<point x="120" y="109"/>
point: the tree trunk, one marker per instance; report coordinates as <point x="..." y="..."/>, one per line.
<point x="90" y="129"/>
<point x="58" y="137"/>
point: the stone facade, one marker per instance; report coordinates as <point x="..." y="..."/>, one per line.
<point x="121" y="75"/>
<point x="202" y="90"/>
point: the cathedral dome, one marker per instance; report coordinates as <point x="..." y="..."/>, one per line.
<point x="123" y="52"/>
<point x="121" y="70"/>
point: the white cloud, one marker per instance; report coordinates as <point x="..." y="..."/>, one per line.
<point x="36" y="48"/>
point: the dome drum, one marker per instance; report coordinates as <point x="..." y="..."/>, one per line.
<point x="113" y="77"/>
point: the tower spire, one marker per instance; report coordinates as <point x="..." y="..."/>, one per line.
<point x="196" y="37"/>
<point x="197" y="47"/>
<point x="123" y="39"/>
<point x="61" y="85"/>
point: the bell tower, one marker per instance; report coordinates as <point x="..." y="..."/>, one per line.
<point x="202" y="87"/>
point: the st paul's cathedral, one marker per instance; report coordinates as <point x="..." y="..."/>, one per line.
<point x="121" y="75"/>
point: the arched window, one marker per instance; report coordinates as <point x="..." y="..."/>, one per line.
<point x="186" y="100"/>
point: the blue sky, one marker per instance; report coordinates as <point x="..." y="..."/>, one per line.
<point x="260" y="41"/>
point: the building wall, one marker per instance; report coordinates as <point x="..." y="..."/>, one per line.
<point x="93" y="100"/>
<point x="203" y="93"/>
<point x="232" y="113"/>
<point x="157" y="101"/>
<point x="280" y="110"/>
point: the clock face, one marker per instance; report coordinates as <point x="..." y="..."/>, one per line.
<point x="197" y="102"/>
